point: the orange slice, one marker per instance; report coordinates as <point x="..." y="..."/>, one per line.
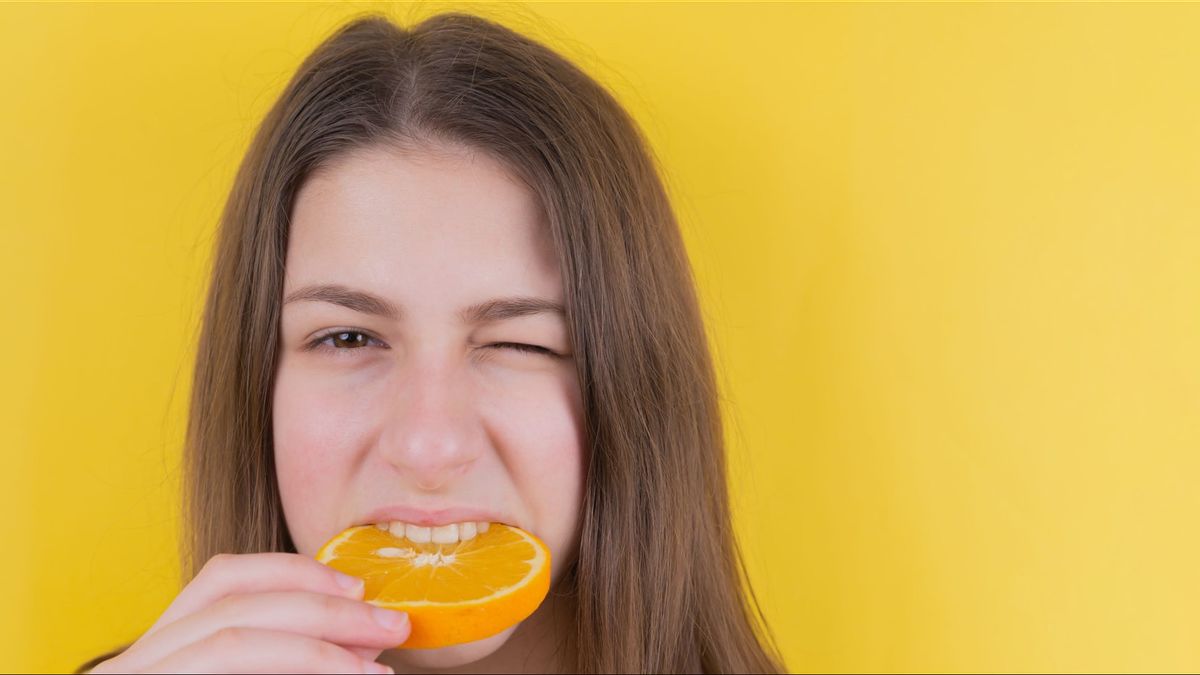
<point x="453" y="593"/>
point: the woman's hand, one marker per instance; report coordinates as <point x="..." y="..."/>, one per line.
<point x="265" y="613"/>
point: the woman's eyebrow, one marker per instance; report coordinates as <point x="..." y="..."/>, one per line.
<point x="496" y="309"/>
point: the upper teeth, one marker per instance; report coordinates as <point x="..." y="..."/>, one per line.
<point x="441" y="534"/>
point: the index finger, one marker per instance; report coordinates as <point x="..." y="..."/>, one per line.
<point x="229" y="574"/>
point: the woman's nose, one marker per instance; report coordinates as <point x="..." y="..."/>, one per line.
<point x="432" y="432"/>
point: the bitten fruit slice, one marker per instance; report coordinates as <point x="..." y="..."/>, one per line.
<point x="453" y="593"/>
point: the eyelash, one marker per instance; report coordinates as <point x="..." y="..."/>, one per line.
<point x="318" y="344"/>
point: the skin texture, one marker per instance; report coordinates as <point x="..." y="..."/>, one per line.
<point x="425" y="410"/>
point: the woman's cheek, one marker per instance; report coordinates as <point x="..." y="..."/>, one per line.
<point x="313" y="444"/>
<point x="545" y="440"/>
<point x="541" y="422"/>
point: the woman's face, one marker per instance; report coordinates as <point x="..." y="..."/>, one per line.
<point x="409" y="405"/>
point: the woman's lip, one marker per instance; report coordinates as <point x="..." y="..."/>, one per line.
<point x="435" y="517"/>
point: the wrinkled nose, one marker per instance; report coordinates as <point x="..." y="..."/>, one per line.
<point x="432" y="433"/>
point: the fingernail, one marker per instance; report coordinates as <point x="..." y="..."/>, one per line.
<point x="348" y="582"/>
<point x="388" y="618"/>
<point x="379" y="668"/>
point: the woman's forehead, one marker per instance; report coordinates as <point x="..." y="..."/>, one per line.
<point x="429" y="227"/>
<point x="444" y="186"/>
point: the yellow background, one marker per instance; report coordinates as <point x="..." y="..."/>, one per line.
<point x="950" y="256"/>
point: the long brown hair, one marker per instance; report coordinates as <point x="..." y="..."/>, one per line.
<point x="659" y="581"/>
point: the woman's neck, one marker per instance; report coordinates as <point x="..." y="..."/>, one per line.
<point x="541" y="644"/>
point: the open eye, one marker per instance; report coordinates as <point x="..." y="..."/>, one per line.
<point x="352" y="337"/>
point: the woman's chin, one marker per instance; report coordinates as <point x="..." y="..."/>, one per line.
<point x="452" y="656"/>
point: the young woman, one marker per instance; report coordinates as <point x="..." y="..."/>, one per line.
<point x="449" y="286"/>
